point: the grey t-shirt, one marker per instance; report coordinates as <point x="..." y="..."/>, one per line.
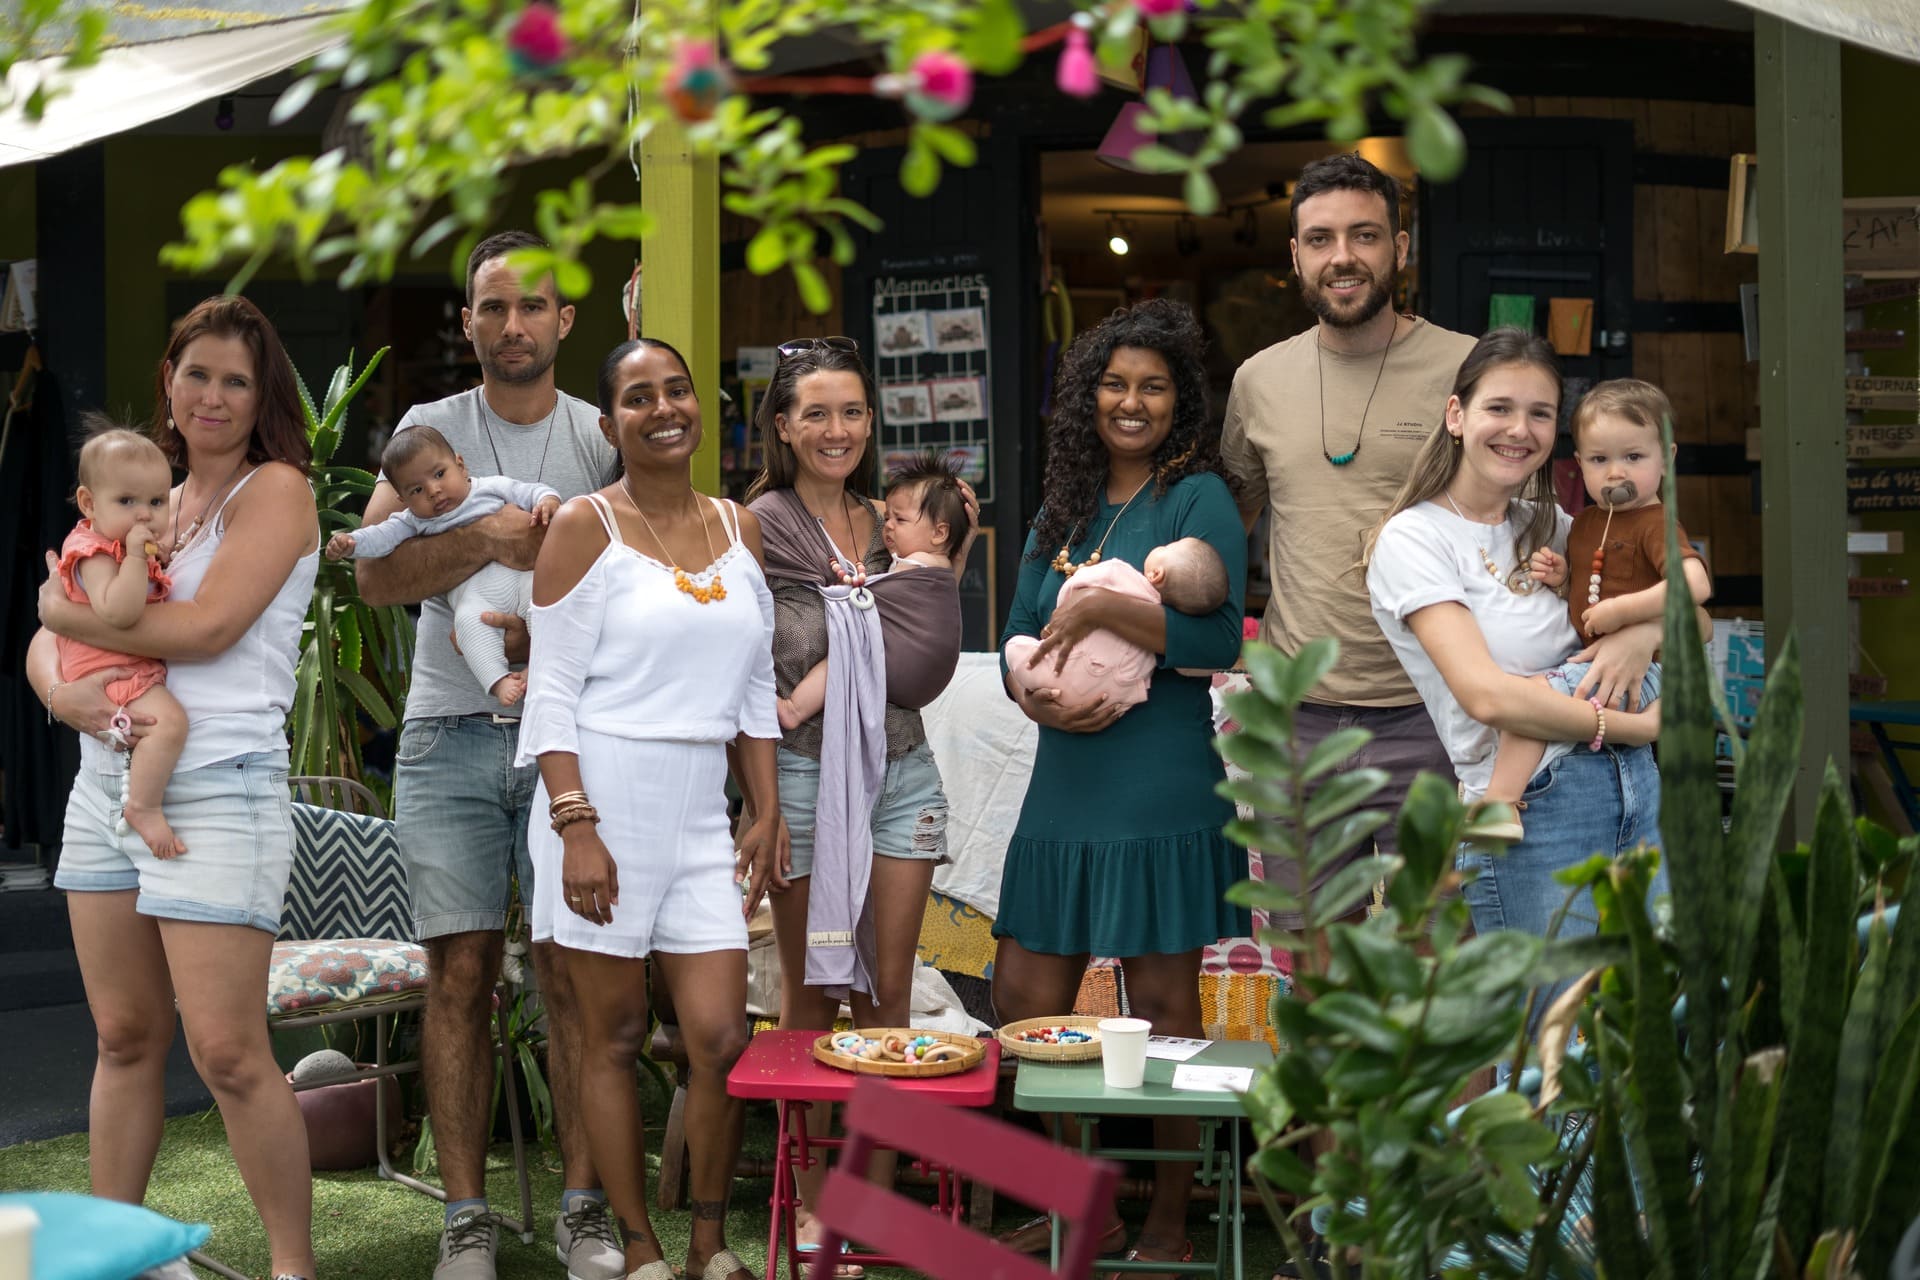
<point x="569" y="454"/>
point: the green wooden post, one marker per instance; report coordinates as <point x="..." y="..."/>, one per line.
<point x="680" y="282"/>
<point x="1802" y="368"/>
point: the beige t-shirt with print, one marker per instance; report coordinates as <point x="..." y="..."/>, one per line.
<point x="1319" y="515"/>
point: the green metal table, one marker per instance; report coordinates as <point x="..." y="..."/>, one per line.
<point x="1078" y="1089"/>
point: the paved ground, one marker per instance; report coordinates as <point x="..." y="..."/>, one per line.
<point x="46" y="1068"/>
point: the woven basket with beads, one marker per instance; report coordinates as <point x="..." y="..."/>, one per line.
<point x="1085" y="1051"/>
<point x="824" y="1051"/>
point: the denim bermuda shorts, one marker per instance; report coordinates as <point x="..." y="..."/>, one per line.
<point x="236" y="819"/>
<point x="460" y="809"/>
<point x="909" y="819"/>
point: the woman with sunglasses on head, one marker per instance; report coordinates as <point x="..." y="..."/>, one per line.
<point x="858" y="784"/>
<point x="651" y="623"/>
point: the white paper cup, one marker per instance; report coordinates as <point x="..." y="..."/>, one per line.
<point x="17" y="1225"/>
<point x="1123" y="1051"/>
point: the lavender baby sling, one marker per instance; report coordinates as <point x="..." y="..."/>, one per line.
<point x="894" y="639"/>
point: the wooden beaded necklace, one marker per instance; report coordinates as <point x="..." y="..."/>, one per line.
<point x="1067" y="568"/>
<point x="1599" y="560"/>
<point x="1517" y="582"/>
<point x="715" y="588"/>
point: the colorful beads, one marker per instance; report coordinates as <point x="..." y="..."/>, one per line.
<point x="1056" y="1035"/>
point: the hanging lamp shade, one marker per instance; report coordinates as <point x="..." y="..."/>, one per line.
<point x="1166" y="69"/>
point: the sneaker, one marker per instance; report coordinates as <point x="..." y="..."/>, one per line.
<point x="583" y="1239"/>
<point x="467" y="1246"/>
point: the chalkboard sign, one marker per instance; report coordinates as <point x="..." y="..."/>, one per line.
<point x="979" y="623"/>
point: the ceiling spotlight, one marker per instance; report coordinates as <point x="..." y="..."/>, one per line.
<point x="1117" y="235"/>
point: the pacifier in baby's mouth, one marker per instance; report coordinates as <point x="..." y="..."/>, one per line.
<point x="1619" y="495"/>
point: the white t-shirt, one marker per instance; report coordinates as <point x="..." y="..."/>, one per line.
<point x="1428" y="555"/>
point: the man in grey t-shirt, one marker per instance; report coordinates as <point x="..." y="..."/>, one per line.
<point x="460" y="805"/>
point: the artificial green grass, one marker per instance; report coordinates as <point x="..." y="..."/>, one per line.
<point x="364" y="1227"/>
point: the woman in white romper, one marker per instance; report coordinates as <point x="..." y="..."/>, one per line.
<point x="652" y="656"/>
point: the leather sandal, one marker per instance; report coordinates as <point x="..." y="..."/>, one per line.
<point x="1035" y="1235"/>
<point x="1134" y="1255"/>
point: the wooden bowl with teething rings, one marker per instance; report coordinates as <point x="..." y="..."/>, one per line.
<point x="899" y="1051"/>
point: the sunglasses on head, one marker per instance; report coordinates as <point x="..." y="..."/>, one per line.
<point x="800" y="346"/>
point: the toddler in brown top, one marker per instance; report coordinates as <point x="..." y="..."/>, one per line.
<point x="1614" y="572"/>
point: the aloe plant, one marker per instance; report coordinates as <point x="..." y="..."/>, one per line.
<point x="353" y="657"/>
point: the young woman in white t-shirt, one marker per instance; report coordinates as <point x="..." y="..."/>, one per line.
<point x="1448" y="579"/>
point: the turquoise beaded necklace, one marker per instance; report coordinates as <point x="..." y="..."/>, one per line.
<point x="1320" y="379"/>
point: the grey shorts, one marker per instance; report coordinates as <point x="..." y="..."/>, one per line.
<point x="1404" y="744"/>
<point x="236" y="819"/>
<point x="460" y="809"/>
<point x="909" y="819"/>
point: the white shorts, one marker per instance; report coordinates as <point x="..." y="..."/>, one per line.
<point x="663" y="817"/>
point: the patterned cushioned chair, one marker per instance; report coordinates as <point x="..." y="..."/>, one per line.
<point x="346" y="952"/>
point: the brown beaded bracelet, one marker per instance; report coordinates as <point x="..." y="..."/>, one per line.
<point x="575" y="813"/>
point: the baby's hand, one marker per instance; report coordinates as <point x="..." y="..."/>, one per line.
<point x="340" y="545"/>
<point x="1548" y="566"/>
<point x="143" y="540"/>
<point x="1602" y="619"/>
<point x="543" y="510"/>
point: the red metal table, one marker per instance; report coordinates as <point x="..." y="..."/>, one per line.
<point x="779" y="1066"/>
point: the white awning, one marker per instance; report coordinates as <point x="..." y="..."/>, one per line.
<point x="1891" y="27"/>
<point x="132" y="85"/>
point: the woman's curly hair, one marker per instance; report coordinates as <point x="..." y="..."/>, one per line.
<point x="1077" y="461"/>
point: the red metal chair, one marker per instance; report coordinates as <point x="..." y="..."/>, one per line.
<point x="1013" y="1161"/>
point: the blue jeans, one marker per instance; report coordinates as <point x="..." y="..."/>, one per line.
<point x="1586" y="802"/>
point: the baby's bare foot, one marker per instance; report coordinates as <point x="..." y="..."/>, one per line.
<point x="151" y="825"/>
<point x="510" y="688"/>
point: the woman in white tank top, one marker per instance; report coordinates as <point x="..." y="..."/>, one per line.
<point x="652" y="658"/>
<point x="243" y="549"/>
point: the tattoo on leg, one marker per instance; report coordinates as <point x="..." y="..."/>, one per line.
<point x="708" y="1210"/>
<point x="630" y="1234"/>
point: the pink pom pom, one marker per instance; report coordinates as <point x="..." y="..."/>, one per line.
<point x="1249" y="628"/>
<point x="535" y="40"/>
<point x="1076" y="74"/>
<point x="1159" y="8"/>
<point x="944" y="78"/>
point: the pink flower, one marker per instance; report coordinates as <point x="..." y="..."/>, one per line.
<point x="1076" y="74"/>
<point x="945" y="78"/>
<point x="1159" y="8"/>
<point x="535" y="41"/>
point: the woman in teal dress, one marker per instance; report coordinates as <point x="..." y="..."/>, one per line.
<point x="1119" y="850"/>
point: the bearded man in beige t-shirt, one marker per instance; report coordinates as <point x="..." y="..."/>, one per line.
<point x="1320" y="432"/>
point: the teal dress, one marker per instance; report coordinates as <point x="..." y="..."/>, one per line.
<point x="1119" y="850"/>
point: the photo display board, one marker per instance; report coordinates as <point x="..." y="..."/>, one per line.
<point x="934" y="371"/>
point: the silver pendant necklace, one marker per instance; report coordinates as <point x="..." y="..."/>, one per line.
<point x="486" y="412"/>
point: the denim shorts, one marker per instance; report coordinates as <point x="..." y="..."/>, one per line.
<point x="1566" y="677"/>
<point x="236" y="819"/>
<point x="460" y="809"/>
<point x="909" y="819"/>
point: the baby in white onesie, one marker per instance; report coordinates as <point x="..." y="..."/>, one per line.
<point x="432" y="481"/>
